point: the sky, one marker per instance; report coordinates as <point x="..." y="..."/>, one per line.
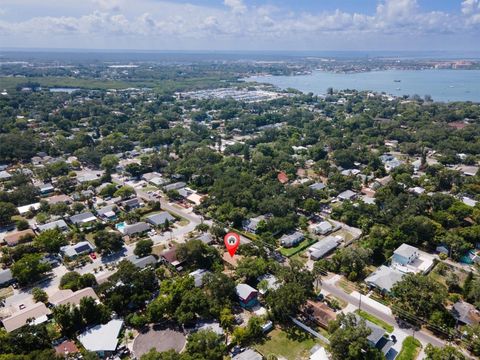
<point x="236" y="25"/>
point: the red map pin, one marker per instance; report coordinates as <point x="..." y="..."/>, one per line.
<point x="232" y="241"/>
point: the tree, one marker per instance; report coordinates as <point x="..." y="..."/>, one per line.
<point x="74" y="281"/>
<point x="108" y="241"/>
<point x="109" y="163"/>
<point x="349" y="262"/>
<point x="419" y="295"/>
<point x="30" y="268"/>
<point x="251" y="268"/>
<point x="206" y="345"/>
<point x="198" y="254"/>
<point x="143" y="248"/>
<point x="166" y="355"/>
<point x="473" y="336"/>
<point x="220" y="288"/>
<point x="349" y="339"/>
<point x="447" y="352"/>
<point x="7" y="210"/>
<point x="39" y="295"/>
<point x="286" y="300"/>
<point x="51" y="240"/>
<point x="251" y="333"/>
<point x="124" y="192"/>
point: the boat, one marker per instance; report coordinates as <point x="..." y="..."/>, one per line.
<point x="397" y="80"/>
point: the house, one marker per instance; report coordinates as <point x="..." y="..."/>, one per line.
<point x="108" y="212"/>
<point x="159" y="219"/>
<point x="83" y="247"/>
<point x="46" y="189"/>
<point x="377" y="338"/>
<point x="198" y="276"/>
<point x="282" y="177"/>
<point x="251" y="225"/>
<point x="319" y="313"/>
<point x="346" y="195"/>
<point x="390" y="162"/>
<point x="291" y="240"/>
<point x="247" y="295"/>
<point x="206" y="238"/>
<point x="59" y="224"/>
<point x="465" y="313"/>
<point x="83" y="218"/>
<point x="6" y="277"/>
<point x="5" y="175"/>
<point x="66" y="348"/>
<point x="132" y="204"/>
<point x="68" y="296"/>
<point x="143" y="261"/>
<point x="442" y="249"/>
<point x="170" y="257"/>
<point x="270" y="281"/>
<point x="323" y="247"/>
<point x="102" y="339"/>
<point x="175" y="186"/>
<point x="321" y="228"/>
<point x="405" y="254"/>
<point x="318" y="353"/>
<point x="18" y="237"/>
<point x="384" y="278"/>
<point x="135" y="229"/>
<point x="248" y="354"/>
<point x="22" y="210"/>
<point x="35" y="314"/>
<point x="468" y="201"/>
<point x="317" y="186"/>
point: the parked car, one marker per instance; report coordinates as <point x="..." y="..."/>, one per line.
<point x="93" y="256"/>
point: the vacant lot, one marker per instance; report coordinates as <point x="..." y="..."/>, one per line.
<point x="162" y="339"/>
<point x="291" y="344"/>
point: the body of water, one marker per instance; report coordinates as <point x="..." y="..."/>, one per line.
<point x="442" y="85"/>
<point x="65" y="90"/>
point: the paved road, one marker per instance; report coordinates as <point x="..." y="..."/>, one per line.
<point x="423" y="336"/>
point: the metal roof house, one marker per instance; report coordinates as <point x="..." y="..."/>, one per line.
<point x="102" y="339"/>
<point x="247" y="295"/>
<point x="465" y="313"/>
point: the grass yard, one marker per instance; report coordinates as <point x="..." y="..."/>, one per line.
<point x="291" y="344"/>
<point x="6" y="292"/>
<point x="387" y="327"/>
<point x="300" y="247"/>
<point x="158" y="249"/>
<point x="410" y="349"/>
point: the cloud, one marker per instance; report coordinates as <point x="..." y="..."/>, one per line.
<point x="237" y="6"/>
<point x="179" y="24"/>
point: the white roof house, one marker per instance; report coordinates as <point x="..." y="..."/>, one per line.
<point x="60" y="224"/>
<point x="346" y="195"/>
<point x="26" y="208"/>
<point x="102" y="338"/>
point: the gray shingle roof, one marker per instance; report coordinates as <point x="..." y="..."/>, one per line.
<point x="5" y="276"/>
<point x="136" y="228"/>
<point x="384" y="278"/>
<point x="160" y="218"/>
<point x="52" y="225"/>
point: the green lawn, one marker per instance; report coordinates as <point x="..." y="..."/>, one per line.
<point x="388" y="328"/>
<point x="291" y="344"/>
<point x="300" y="247"/>
<point x="410" y="349"/>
